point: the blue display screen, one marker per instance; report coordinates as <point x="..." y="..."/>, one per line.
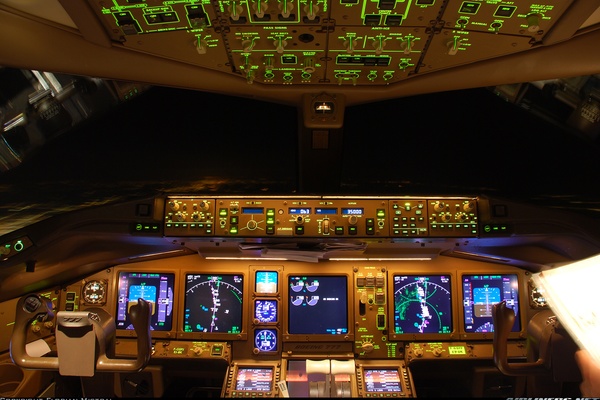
<point x="253" y="210"/>
<point x="326" y="211"/>
<point x="481" y="292"/>
<point x="352" y="211"/>
<point x="302" y="211"/>
<point x="318" y="305"/>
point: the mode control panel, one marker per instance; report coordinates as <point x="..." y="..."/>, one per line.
<point x="321" y="217"/>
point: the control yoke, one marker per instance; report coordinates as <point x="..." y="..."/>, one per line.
<point x="85" y="340"/>
<point x="504" y="319"/>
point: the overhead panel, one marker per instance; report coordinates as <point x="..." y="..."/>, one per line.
<point x="340" y="42"/>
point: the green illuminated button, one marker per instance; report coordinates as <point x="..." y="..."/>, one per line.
<point x="233" y="219"/>
<point x="233" y="230"/>
<point x="270" y="212"/>
<point x="339" y="230"/>
<point x="138" y="227"/>
<point x="469" y="7"/>
<point x="19" y="246"/>
<point x="222" y="212"/>
<point x="380" y="213"/>
<point x="352" y="230"/>
<point x="300" y="230"/>
<point x="505" y="11"/>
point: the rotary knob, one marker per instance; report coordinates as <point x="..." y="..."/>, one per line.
<point x="469" y="206"/>
<point x="204" y="205"/>
<point x="439" y="206"/>
<point x="180" y="216"/>
<point x="418" y="353"/>
<point x="195" y="216"/>
<point x="367" y="347"/>
<point x="174" y="205"/>
<point x="252" y="225"/>
<point x="445" y="217"/>
<point x="352" y="220"/>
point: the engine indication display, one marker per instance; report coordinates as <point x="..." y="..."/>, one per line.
<point x="422" y="304"/>
<point x="213" y="303"/>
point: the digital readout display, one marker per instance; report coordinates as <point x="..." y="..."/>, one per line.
<point x="299" y="210"/>
<point x="353" y="211"/>
<point x="326" y="211"/>
<point x="253" y="210"/>
<point x="382" y="380"/>
<point x="254" y="379"/>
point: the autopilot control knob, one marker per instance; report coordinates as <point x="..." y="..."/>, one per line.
<point x="439" y="206"/>
<point x="204" y="205"/>
<point x="195" y="216"/>
<point x="352" y="220"/>
<point x="252" y="225"/>
<point x="174" y="205"/>
<point x="299" y="220"/>
<point x="418" y="353"/>
<point x="437" y="352"/>
<point x="180" y="216"/>
<point x="461" y="217"/>
<point x="469" y="206"/>
<point x="445" y="217"/>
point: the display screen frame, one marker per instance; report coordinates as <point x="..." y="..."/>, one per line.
<point x="521" y="282"/>
<point x="209" y="272"/>
<point x="399" y="366"/>
<point x="412" y="336"/>
<point x="118" y="271"/>
<point x="293" y="336"/>
<point x="241" y="369"/>
<point x="365" y="377"/>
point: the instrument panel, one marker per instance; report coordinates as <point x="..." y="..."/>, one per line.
<point x="320" y="217"/>
<point x="267" y="308"/>
<point x="336" y="42"/>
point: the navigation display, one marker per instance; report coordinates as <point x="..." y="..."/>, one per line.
<point x="422" y="304"/>
<point x="254" y="379"/>
<point x="481" y="292"/>
<point x="318" y="305"/>
<point x="157" y="289"/>
<point x="382" y="380"/>
<point x="213" y="303"/>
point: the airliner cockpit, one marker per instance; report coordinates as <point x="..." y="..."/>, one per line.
<point x="295" y="198"/>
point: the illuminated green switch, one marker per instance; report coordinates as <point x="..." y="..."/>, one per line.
<point x="233" y="230"/>
<point x="380" y="213"/>
<point x="270" y="212"/>
<point x="222" y="212"/>
<point x="505" y="11"/>
<point x="469" y="7"/>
